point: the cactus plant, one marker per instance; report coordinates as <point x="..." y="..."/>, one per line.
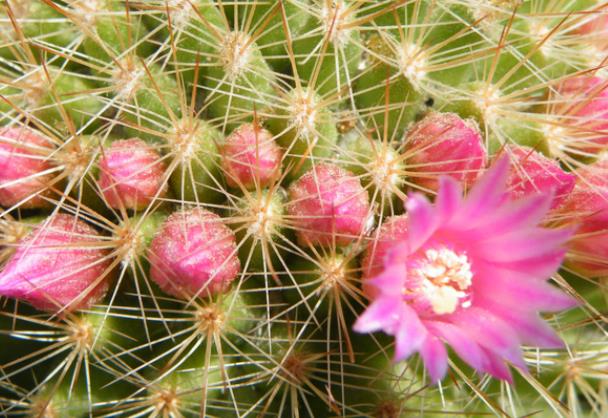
<point x="306" y="208"/>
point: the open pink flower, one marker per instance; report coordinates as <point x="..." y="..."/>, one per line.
<point x="470" y="273"/>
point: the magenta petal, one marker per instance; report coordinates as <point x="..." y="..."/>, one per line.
<point x="522" y="244"/>
<point x="462" y="344"/>
<point x="391" y="280"/>
<point x="512" y="289"/>
<point x="497" y="367"/>
<point x="532" y="330"/>
<point x="524" y="213"/>
<point x="539" y="267"/>
<point x="491" y="332"/>
<point x="422" y="221"/>
<point x="448" y="198"/>
<point x="379" y="315"/>
<point x="410" y="334"/>
<point x="488" y="193"/>
<point x="435" y="357"/>
<point x="398" y="254"/>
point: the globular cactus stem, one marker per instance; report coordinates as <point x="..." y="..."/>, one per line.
<point x="307" y="208"/>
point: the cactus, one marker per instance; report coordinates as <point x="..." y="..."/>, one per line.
<point x="306" y="208"/>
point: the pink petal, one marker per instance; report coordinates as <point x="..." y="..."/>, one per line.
<point x="379" y="315"/>
<point x="536" y="267"/>
<point x="491" y="332"/>
<point x="489" y="191"/>
<point x="497" y="367"/>
<point x="532" y="330"/>
<point x="521" y="244"/>
<point x="462" y="344"/>
<point x="410" y="334"/>
<point x="523" y="213"/>
<point x="435" y="357"/>
<point x="422" y="221"/>
<point x="449" y="198"/>
<point x="518" y="291"/>
<point x="391" y="280"/>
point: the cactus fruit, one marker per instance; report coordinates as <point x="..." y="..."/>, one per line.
<point x="306" y="208"/>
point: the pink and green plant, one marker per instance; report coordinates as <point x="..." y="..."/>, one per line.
<point x="305" y="208"/>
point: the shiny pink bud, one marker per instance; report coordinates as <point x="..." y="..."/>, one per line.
<point x="583" y="103"/>
<point x="444" y="144"/>
<point x="250" y="156"/>
<point x="328" y="204"/>
<point x="587" y="206"/>
<point x="23" y="161"/>
<point x="595" y="29"/>
<point x="194" y="253"/>
<point x="59" y="265"/>
<point x="132" y="174"/>
<point x="533" y="173"/>
<point x="392" y="231"/>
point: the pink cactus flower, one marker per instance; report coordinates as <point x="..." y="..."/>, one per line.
<point x="583" y="109"/>
<point x="194" y="253"/>
<point x="587" y="208"/>
<point x="24" y="166"/>
<point x="471" y="274"/>
<point x="58" y="266"/>
<point x="533" y="173"/>
<point x="250" y="156"/>
<point x="327" y="205"/>
<point x="443" y="143"/>
<point x="132" y="174"/>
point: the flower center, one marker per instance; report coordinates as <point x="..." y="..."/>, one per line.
<point x="440" y="280"/>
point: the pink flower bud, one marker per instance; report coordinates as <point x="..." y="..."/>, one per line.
<point x="131" y="174"/>
<point x="59" y="265"/>
<point x="23" y="162"/>
<point x="595" y="29"/>
<point x="587" y="206"/>
<point x="194" y="253"/>
<point x="328" y="204"/>
<point x="250" y="156"/>
<point x="392" y="231"/>
<point x="583" y="105"/>
<point x="443" y="143"/>
<point x="533" y="173"/>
